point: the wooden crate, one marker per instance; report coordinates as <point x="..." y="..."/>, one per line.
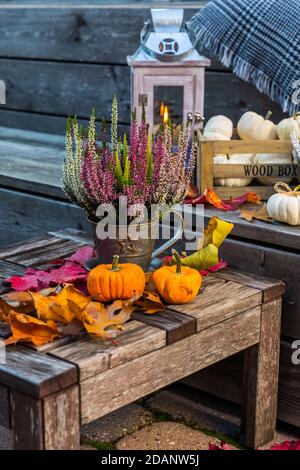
<point x="207" y="171"/>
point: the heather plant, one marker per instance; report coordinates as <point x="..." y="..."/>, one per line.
<point x="146" y="170"/>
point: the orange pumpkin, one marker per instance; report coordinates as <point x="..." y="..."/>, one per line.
<point x="177" y="284"/>
<point x="115" y="281"/>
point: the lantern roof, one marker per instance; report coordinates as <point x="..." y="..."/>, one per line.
<point x="167" y="42"/>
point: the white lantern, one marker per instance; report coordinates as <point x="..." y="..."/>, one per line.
<point x="167" y="73"/>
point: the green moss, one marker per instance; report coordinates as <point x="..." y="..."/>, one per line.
<point x="102" y="445"/>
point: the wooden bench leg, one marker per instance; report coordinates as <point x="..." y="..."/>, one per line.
<point x="48" y="424"/>
<point x="260" y="384"/>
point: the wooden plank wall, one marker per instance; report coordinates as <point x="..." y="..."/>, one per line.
<point x="65" y="60"/>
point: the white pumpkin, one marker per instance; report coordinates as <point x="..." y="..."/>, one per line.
<point x="269" y="159"/>
<point x="219" y="125"/>
<point x="287" y="126"/>
<point x="214" y="136"/>
<point x="285" y="206"/>
<point x="246" y="159"/>
<point x="252" y="126"/>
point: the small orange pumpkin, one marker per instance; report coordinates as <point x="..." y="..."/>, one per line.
<point x="177" y="284"/>
<point x="115" y="281"/>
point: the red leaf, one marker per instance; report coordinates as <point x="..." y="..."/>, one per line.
<point x="210" y="197"/>
<point x="213" y="269"/>
<point x="286" y="445"/>
<point x="82" y="255"/>
<point x="35" y="279"/>
<point x="222" y="446"/>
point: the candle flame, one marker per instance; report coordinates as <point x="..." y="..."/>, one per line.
<point x="166" y="115"/>
<point x="162" y="109"/>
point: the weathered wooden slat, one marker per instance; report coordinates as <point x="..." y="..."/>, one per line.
<point x="225" y="380"/>
<point x="260" y="390"/>
<point x="51" y="249"/>
<point x="27" y="421"/>
<point x="93" y="356"/>
<point x="272" y="263"/>
<point x="61" y="420"/>
<point x="239" y="170"/>
<point x="10" y="269"/>
<point x="64" y="33"/>
<point x="176" y="325"/>
<point x="248" y="146"/>
<point x="229" y="192"/>
<point x="30" y="121"/>
<point x="4" y="407"/>
<point x="270" y="288"/>
<point x="4" y="330"/>
<point x="220" y="303"/>
<point x="116" y="387"/>
<point x="35" y="374"/>
<point x="24" y="215"/>
<point x="73" y="234"/>
<point x="31" y="165"/>
<point x="44" y="90"/>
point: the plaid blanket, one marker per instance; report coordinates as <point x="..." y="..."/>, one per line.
<point x="260" y="40"/>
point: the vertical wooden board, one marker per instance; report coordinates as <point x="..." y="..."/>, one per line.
<point x="35" y="374"/>
<point x="4" y="407"/>
<point x="272" y="263"/>
<point x="132" y="380"/>
<point x="27" y="422"/>
<point x="260" y="389"/>
<point x="61" y="420"/>
<point x="205" y="161"/>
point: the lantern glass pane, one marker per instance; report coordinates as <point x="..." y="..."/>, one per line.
<point x="168" y="103"/>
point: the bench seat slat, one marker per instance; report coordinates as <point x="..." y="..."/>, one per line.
<point x="35" y="374"/>
<point x="132" y="380"/>
<point x="220" y="302"/>
<point x="93" y="356"/>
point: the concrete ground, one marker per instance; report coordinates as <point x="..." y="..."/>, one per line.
<point x="176" y="418"/>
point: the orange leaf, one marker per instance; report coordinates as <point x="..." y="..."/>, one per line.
<point x="20" y="302"/>
<point x="28" y="329"/>
<point x="105" y="322"/>
<point x="150" y="302"/>
<point x="253" y="197"/>
<point x="63" y="307"/>
<point x="213" y="199"/>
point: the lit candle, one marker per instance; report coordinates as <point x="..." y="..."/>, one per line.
<point x="166" y="115"/>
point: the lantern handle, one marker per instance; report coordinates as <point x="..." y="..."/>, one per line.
<point x="166" y="57"/>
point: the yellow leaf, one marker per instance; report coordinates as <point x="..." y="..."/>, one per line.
<point x="106" y="323"/>
<point x="216" y="231"/>
<point x="202" y="259"/>
<point x="63" y="307"/>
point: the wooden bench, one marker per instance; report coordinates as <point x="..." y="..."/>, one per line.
<point x="47" y="392"/>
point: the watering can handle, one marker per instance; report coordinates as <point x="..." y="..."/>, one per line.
<point x="173" y="240"/>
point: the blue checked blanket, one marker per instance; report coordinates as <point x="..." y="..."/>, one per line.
<point x="259" y="40"/>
